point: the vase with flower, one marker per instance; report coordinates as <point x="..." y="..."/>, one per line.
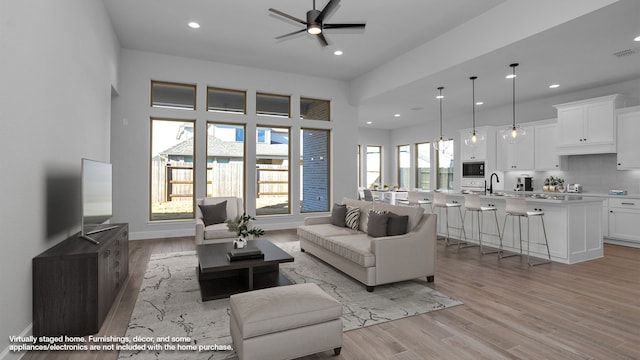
<point x="242" y="226"/>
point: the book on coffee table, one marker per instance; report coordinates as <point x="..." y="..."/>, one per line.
<point x="245" y="254"/>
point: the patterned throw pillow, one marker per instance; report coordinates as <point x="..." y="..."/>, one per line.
<point x="353" y="217"/>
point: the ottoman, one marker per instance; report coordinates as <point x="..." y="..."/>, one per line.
<point x="285" y="322"/>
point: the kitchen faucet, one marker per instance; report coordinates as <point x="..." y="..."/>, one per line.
<point x="491" y="182"/>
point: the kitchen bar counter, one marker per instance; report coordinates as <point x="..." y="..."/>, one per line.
<point x="573" y="224"/>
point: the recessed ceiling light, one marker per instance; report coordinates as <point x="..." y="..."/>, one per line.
<point x="396" y="115"/>
<point x="194" y="25"/>
<point x="369" y="122"/>
<point x="480" y="103"/>
<point x="637" y="38"/>
<point x="338" y="52"/>
<point x="553" y="86"/>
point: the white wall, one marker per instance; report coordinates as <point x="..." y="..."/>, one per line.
<point x="58" y="65"/>
<point x="131" y="120"/>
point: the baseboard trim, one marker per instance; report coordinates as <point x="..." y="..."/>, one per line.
<point x="9" y="355"/>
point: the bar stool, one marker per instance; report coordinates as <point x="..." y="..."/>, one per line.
<point x="415" y="198"/>
<point x="517" y="207"/>
<point x="440" y="202"/>
<point x="472" y="203"/>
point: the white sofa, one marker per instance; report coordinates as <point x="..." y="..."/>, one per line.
<point x="374" y="260"/>
<point x="217" y="233"/>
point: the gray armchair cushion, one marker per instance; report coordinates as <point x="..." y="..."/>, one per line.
<point x="214" y="214"/>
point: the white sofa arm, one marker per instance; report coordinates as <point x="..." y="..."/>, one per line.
<point x="199" y="231"/>
<point x="314" y="220"/>
<point x="407" y="256"/>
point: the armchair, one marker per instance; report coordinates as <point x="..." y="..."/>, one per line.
<point x="217" y="233"/>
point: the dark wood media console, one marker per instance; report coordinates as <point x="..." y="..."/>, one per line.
<point x="76" y="282"/>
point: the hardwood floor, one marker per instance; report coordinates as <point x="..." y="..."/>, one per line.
<point x="589" y="310"/>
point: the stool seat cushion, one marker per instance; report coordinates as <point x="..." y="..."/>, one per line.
<point x="282" y="308"/>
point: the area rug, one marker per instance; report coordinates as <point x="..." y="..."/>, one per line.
<point x="169" y="305"/>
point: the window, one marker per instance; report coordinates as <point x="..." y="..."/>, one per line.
<point x="225" y="160"/>
<point x="173" y="96"/>
<point x="273" y="105"/>
<point x="226" y="100"/>
<point x="172" y="159"/>
<point x="404" y="166"/>
<point x="272" y="171"/>
<point x="423" y="166"/>
<point x="374" y="165"/>
<point x="444" y="161"/>
<point x="314" y="170"/>
<point x="315" y="109"/>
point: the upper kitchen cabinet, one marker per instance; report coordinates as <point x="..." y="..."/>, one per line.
<point x="628" y="144"/>
<point x="483" y="149"/>
<point x="519" y="156"/>
<point x="588" y="126"/>
<point x="546" y="155"/>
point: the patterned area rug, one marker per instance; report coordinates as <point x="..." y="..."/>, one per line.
<point x="169" y="305"/>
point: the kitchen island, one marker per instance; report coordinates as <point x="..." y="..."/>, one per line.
<point x="573" y="225"/>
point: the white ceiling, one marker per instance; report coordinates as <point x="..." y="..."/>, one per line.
<point x="576" y="54"/>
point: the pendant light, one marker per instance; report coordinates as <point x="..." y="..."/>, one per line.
<point x="474" y="138"/>
<point x="513" y="134"/>
<point x="440" y="143"/>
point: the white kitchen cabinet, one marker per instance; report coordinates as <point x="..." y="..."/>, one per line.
<point x="546" y="155"/>
<point x="628" y="145"/>
<point x="519" y="156"/>
<point x="483" y="150"/>
<point x="605" y="218"/>
<point x="588" y="126"/>
<point x="624" y="217"/>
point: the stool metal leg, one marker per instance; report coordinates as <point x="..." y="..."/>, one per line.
<point x="546" y="242"/>
<point x="462" y="229"/>
<point x="497" y="231"/>
<point x="501" y="254"/>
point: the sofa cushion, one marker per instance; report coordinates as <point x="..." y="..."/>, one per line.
<point x="214" y="214"/>
<point x="377" y="226"/>
<point x="414" y="212"/>
<point x="397" y="224"/>
<point x="364" y="206"/>
<point x="355" y="247"/>
<point x="352" y="220"/>
<point x="338" y="215"/>
<point x="319" y="232"/>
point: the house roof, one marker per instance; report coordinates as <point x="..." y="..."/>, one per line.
<point x="219" y="148"/>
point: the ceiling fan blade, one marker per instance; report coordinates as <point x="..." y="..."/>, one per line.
<point x="291" y="33"/>
<point x="327" y="10"/>
<point x="322" y="39"/>
<point x="287" y="16"/>
<point x="343" y="26"/>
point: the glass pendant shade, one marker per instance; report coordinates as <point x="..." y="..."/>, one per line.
<point x="440" y="143"/>
<point x="474" y="138"/>
<point x="514" y="133"/>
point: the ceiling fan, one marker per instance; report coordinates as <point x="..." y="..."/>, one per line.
<point x="315" y="22"/>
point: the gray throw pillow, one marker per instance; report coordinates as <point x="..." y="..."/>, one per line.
<point x="214" y="214"/>
<point x="377" y="225"/>
<point x="338" y="215"/>
<point x="397" y="224"/>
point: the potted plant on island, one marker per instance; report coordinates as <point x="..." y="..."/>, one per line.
<point x="241" y="225"/>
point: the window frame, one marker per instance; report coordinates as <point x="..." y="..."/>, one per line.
<point x="328" y="170"/>
<point x="244" y="157"/>
<point x="408" y="147"/>
<point x="175" y="84"/>
<point x="244" y="95"/>
<point x="289" y="178"/>
<point x="417" y="162"/>
<point x="328" y="105"/>
<point x="381" y="183"/>
<point x="288" y="97"/>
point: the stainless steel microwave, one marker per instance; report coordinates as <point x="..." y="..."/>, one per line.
<point x="473" y="169"/>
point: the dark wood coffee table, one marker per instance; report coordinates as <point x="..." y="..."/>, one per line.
<point x="221" y="278"/>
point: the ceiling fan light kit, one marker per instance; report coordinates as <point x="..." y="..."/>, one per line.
<point x="315" y="22"/>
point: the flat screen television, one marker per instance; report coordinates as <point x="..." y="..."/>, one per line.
<point x="97" y="198"/>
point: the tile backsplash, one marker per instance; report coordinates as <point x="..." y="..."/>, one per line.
<point x="597" y="173"/>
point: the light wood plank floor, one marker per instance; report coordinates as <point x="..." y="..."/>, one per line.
<point x="589" y="310"/>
